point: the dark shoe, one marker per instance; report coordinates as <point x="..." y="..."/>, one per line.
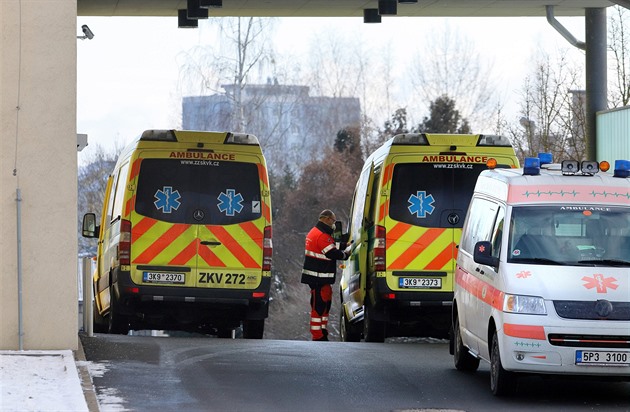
<point x="322" y="339"/>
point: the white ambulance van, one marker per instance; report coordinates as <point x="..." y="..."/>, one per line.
<point x="406" y="217"/>
<point x="543" y="273"/>
<point x="184" y="241"/>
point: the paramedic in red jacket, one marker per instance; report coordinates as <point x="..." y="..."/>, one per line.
<point x="320" y="256"/>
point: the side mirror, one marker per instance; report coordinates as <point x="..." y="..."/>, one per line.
<point x="89" y="228"/>
<point x="483" y="254"/>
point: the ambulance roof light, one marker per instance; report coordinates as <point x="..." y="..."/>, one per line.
<point x="531" y="166"/>
<point x="622" y="168"/>
<point x="410" y="138"/>
<point x="493" y="140"/>
<point x="545" y="158"/>
<point x="159" y="135"/>
<point x="242" y="138"/>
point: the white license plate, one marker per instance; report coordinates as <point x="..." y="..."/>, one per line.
<point x="602" y="358"/>
<point x="159" y="277"/>
<point x="420" y="283"/>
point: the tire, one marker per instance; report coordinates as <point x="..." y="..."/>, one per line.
<point x="99" y="324"/>
<point x="464" y="361"/>
<point x="373" y="330"/>
<point x="502" y="382"/>
<point x="224" y="333"/>
<point x="118" y="324"/>
<point x="253" y="329"/>
<point x="348" y="331"/>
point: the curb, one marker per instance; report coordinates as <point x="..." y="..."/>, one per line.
<point x="86" y="380"/>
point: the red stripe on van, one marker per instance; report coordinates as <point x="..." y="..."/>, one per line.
<point x="395" y="233"/>
<point x="447" y="255"/>
<point x="415" y="248"/>
<point x="262" y="174"/>
<point x="479" y="289"/>
<point x="129" y="206"/>
<point x="387" y="174"/>
<point x="210" y="258"/>
<point x="266" y="212"/>
<point x="524" y="331"/>
<point x="141" y="227"/>
<point x="235" y="248"/>
<point x="186" y="254"/>
<point x="135" y="169"/>
<point x="161" y="243"/>
<point x="253" y="232"/>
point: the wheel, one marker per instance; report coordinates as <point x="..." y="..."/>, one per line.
<point x="373" y="330"/>
<point x="253" y="329"/>
<point x="99" y="325"/>
<point x="348" y="331"/>
<point x="502" y="382"/>
<point x="464" y="361"/>
<point x="118" y="324"/>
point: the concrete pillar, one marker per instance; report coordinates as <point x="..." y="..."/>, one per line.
<point x="38" y="156"/>
<point x="596" y="75"/>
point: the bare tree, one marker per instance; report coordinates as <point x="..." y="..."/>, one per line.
<point x="619" y="44"/>
<point x="244" y="45"/>
<point x="551" y="112"/>
<point x="449" y="65"/>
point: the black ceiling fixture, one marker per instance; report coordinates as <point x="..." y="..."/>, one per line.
<point x="387" y="7"/>
<point x="183" y="22"/>
<point x="407" y="1"/>
<point x="196" y="12"/>
<point x="371" y="16"/>
<point x="210" y="3"/>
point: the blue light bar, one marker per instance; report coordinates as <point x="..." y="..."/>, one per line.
<point x="545" y="158"/>
<point x="622" y="168"/>
<point x="531" y="166"/>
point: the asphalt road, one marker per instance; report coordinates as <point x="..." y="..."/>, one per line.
<point x="207" y="374"/>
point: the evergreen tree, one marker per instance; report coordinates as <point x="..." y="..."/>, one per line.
<point x="443" y="118"/>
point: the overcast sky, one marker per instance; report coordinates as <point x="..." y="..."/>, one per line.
<point x="128" y="73"/>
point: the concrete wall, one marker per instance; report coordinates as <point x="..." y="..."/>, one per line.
<point x="38" y="74"/>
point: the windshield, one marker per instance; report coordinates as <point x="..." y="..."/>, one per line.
<point x="198" y="191"/>
<point x="570" y="235"/>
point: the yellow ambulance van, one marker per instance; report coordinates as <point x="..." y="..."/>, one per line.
<point x="184" y="240"/>
<point x="543" y="273"/>
<point x="405" y="223"/>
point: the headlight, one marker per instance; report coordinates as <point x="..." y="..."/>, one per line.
<point x="530" y="305"/>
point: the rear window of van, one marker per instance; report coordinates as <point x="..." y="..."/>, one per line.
<point x="424" y="194"/>
<point x="198" y="191"/>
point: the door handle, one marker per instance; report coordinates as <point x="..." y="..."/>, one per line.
<point x="210" y="243"/>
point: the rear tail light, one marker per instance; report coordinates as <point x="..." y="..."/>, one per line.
<point x="124" y="244"/>
<point x="379" y="249"/>
<point x="267" y="249"/>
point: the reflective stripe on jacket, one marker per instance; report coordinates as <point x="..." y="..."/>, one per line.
<point x="320" y="256"/>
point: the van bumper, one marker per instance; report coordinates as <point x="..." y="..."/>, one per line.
<point x="412" y="312"/>
<point x="142" y="300"/>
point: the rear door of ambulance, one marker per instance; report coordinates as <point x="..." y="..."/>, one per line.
<point x="427" y="206"/>
<point x="198" y="222"/>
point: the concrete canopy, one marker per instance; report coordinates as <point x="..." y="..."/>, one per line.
<point x="343" y="8"/>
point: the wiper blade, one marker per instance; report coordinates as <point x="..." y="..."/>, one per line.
<point x="610" y="262"/>
<point x="538" y="261"/>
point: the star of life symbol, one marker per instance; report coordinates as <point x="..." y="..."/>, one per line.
<point x="420" y="204"/>
<point x="230" y="202"/>
<point x="167" y="199"/>
<point x="600" y="282"/>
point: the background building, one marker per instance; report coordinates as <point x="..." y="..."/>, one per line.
<point x="292" y="126"/>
